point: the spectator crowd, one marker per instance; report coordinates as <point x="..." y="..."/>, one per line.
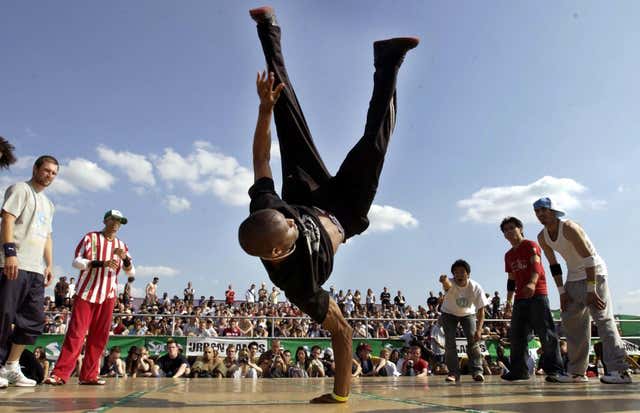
<point x="266" y="313"/>
<point x="262" y="312"/>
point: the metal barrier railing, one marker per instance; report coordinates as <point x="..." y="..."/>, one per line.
<point x="273" y="319"/>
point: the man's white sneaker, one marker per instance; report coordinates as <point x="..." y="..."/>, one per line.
<point x="14" y="376"/>
<point x="567" y="378"/>
<point x="616" y="377"/>
<point x="4" y="383"/>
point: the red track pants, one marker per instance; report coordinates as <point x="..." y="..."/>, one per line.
<point x="94" y="319"/>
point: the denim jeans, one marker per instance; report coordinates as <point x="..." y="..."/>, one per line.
<point x="450" y="325"/>
<point x="534" y="314"/>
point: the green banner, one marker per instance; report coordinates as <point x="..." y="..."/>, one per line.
<point x="52" y="343"/>
<point x="157" y="345"/>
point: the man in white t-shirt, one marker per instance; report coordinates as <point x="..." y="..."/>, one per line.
<point x="250" y="295"/>
<point x="72" y="288"/>
<point x="437" y="341"/>
<point x="26" y="265"/>
<point x="273" y="297"/>
<point x="463" y="304"/>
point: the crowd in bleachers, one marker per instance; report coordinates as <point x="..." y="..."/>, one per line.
<point x="260" y="312"/>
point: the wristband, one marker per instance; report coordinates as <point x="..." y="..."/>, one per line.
<point x="561" y="289"/>
<point x="339" y="398"/>
<point x="10" y="249"/>
<point x="126" y="261"/>
<point x="589" y="261"/>
<point x="591" y="287"/>
<point x="96" y="264"/>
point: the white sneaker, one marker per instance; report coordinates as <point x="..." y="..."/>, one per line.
<point x="616" y="377"/>
<point x="14" y="376"/>
<point x="4" y="383"/>
<point x="567" y="378"/>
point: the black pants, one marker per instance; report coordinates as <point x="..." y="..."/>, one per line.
<point x="534" y="314"/>
<point x="349" y="194"/>
<point x="21" y="304"/>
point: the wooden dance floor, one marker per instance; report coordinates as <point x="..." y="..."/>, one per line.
<point x="405" y="394"/>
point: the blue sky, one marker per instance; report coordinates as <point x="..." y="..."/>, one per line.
<point x="150" y="106"/>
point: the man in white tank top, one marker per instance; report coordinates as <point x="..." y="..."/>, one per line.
<point x="584" y="293"/>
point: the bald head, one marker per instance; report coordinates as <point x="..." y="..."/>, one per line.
<point x="265" y="233"/>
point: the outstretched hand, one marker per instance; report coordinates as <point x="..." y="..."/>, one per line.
<point x="264" y="85"/>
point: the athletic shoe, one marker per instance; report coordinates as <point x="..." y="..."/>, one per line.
<point x="509" y="376"/>
<point x="54" y="380"/>
<point x="392" y="51"/>
<point x="94" y="382"/>
<point x="566" y="378"/>
<point x="4" y="383"/>
<point x="478" y="377"/>
<point x="452" y="378"/>
<point x="14" y="376"/>
<point x="264" y="15"/>
<point x="616" y="377"/>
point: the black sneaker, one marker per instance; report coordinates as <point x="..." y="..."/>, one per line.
<point x="512" y="377"/>
<point x="392" y="51"/>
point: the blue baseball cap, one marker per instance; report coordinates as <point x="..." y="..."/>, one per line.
<point x="545" y="202"/>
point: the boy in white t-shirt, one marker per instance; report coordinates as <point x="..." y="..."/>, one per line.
<point x="464" y="303"/>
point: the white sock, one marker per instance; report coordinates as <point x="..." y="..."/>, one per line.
<point x="13" y="364"/>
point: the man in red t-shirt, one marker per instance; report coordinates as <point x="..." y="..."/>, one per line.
<point x="229" y="296"/>
<point x="414" y="365"/>
<point x="233" y="330"/>
<point x="531" y="308"/>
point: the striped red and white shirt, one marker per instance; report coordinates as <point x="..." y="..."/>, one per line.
<point x="97" y="284"/>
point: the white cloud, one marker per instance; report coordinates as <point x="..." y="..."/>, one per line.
<point x="137" y="167"/>
<point x="275" y="150"/>
<point x="173" y="167"/>
<point x="6" y="182"/>
<point x="631" y="300"/>
<point x="66" y="209"/>
<point x="491" y="204"/>
<point x="176" y="204"/>
<point x="81" y="174"/>
<point x="25" y="162"/>
<point x="155" y="271"/>
<point x="385" y="218"/>
<point x="621" y="188"/>
<point x="30" y="133"/>
<point x="207" y="171"/>
<point x="140" y="190"/>
<point x="62" y="186"/>
<point x="137" y="292"/>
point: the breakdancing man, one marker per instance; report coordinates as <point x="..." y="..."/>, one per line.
<point x="296" y="236"/>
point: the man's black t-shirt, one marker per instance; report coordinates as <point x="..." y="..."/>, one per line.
<point x="385" y="298"/>
<point x="302" y="274"/>
<point x="170" y="366"/>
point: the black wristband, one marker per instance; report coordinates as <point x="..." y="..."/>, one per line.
<point x="556" y="269"/>
<point x="10" y="249"/>
<point x="126" y="261"/>
<point x="96" y="264"/>
<point x="511" y="285"/>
